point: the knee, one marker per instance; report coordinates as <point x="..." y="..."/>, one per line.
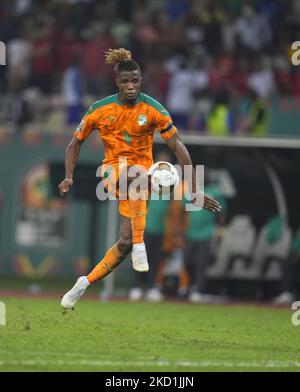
<point x="125" y="245"/>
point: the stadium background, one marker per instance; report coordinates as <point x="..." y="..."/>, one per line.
<point x="222" y="68"/>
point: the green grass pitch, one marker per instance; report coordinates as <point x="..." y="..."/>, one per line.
<point x="121" y="336"/>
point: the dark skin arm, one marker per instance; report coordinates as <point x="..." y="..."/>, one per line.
<point x="183" y="157"/>
<point x="71" y="157"/>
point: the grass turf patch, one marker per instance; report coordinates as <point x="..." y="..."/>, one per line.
<point x="121" y="336"/>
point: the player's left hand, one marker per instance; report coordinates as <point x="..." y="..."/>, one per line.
<point x="65" y="186"/>
<point x="209" y="203"/>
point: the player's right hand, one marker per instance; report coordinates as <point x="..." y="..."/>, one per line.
<point x="65" y="186"/>
<point x="208" y="203"/>
<point x="211" y="204"/>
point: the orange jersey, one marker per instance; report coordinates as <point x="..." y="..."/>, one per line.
<point x="127" y="132"/>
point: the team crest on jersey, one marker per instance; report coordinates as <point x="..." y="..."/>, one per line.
<point x="143" y="119"/>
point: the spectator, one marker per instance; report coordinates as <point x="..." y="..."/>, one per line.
<point x="253" y="30"/>
<point x="220" y="120"/>
<point x="22" y="7"/>
<point x="156" y="80"/>
<point x="261" y="80"/>
<point x="296" y="82"/>
<point x="252" y="115"/>
<point x="228" y="33"/>
<point x="220" y="74"/>
<point x="201" y="107"/>
<point x="43" y="64"/>
<point x="176" y="9"/>
<point x="179" y="95"/>
<point x="202" y="226"/>
<point x="283" y="76"/>
<point x="94" y="66"/>
<point x="19" y="53"/>
<point x="270" y="9"/>
<point x="73" y="92"/>
<point x="240" y="76"/>
<point x="68" y="47"/>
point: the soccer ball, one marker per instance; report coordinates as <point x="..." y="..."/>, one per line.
<point x="164" y="177"/>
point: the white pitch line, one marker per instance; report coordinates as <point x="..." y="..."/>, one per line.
<point x="143" y="361"/>
<point x="166" y="363"/>
<point x="45" y="353"/>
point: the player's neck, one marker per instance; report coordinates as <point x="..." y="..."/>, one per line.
<point x="127" y="102"/>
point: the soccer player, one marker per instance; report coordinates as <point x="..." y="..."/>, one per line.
<point x="126" y="123"/>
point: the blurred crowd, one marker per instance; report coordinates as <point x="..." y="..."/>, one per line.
<point x="215" y="65"/>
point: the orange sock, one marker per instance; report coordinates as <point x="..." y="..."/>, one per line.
<point x="138" y="220"/>
<point x="112" y="258"/>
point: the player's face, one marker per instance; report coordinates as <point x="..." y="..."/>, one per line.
<point x="129" y="83"/>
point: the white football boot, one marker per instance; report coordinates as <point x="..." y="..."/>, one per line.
<point x="139" y="258"/>
<point x="71" y="297"/>
<point x="135" y="294"/>
<point x="285" y="298"/>
<point x="154" y="295"/>
<point x="200" y="298"/>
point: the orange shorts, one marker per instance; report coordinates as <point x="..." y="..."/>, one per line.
<point x="111" y="174"/>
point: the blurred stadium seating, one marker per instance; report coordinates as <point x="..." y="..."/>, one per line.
<point x="235" y="250"/>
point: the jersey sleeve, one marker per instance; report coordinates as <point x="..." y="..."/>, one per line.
<point x="164" y="124"/>
<point x="86" y="126"/>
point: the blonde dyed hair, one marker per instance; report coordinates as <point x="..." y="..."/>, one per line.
<point x="116" y="56"/>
